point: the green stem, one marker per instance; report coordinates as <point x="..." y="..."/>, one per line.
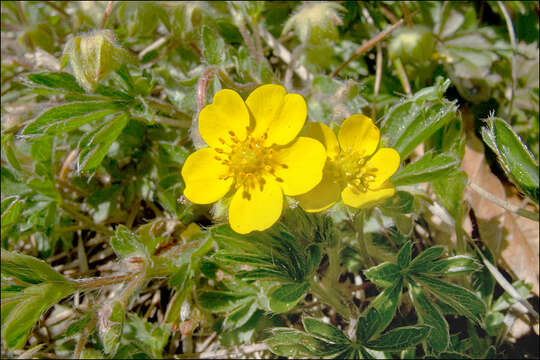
<point x="358" y="223"/>
<point x="402" y="75"/>
<point x="73" y="212"/>
<point x="504" y="204"/>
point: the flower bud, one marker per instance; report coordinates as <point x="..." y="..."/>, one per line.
<point x="414" y="44"/>
<point x="315" y="22"/>
<point x="92" y="57"/>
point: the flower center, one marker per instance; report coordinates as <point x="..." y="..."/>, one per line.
<point x="248" y="162"/>
<point x="350" y="169"/>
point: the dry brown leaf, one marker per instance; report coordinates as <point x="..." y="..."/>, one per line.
<point x="512" y="239"/>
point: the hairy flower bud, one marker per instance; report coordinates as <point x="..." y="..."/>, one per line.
<point x="92" y="57"/>
<point x="315" y="22"/>
<point x="412" y="44"/>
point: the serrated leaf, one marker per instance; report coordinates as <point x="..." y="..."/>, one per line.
<point x="429" y="167"/>
<point x="213" y="46"/>
<point x="323" y="330"/>
<point x="439" y="337"/>
<point x="34" y="301"/>
<point x="464" y="301"/>
<point x="68" y="117"/>
<point x="111" y="325"/>
<point x="150" y="338"/>
<point x="221" y="301"/>
<point x="450" y="193"/>
<point x="241" y="315"/>
<point x="384" y="274"/>
<point x="412" y="121"/>
<point x="455" y="265"/>
<point x="126" y="243"/>
<point x="386" y="305"/>
<point x="11" y="209"/>
<point x="56" y="80"/>
<point x="404" y="255"/>
<point x="400" y="338"/>
<point x="285" y="297"/>
<point x="313" y="256"/>
<point x="425" y="258"/>
<point x="367" y="325"/>
<point x="293" y="343"/>
<point x="95" y="147"/>
<point x="513" y="155"/>
<point x="401" y="203"/>
<point x="29" y="269"/>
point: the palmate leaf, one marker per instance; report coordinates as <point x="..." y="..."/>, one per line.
<point x="400" y="338"/>
<point x="293" y="343"/>
<point x="462" y="300"/>
<point x="439" y="337"/>
<point x="96" y="144"/>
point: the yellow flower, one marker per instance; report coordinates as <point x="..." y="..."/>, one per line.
<point x="354" y="170"/>
<point x="253" y="150"/>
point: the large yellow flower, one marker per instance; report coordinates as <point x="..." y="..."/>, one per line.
<point x="253" y="150"/>
<point x="354" y="170"/>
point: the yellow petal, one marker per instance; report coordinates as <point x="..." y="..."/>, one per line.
<point x="304" y="162"/>
<point x="325" y="135"/>
<point x="226" y="113"/>
<point x="368" y="198"/>
<point x="358" y="133"/>
<point x="278" y="114"/>
<point x="201" y="173"/>
<point x="386" y="163"/>
<point x="322" y="196"/>
<point x="258" y="212"/>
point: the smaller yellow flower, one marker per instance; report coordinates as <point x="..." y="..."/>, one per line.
<point x="355" y="170"/>
<point x="253" y="153"/>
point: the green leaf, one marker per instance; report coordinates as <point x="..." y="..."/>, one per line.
<point x="29" y="269"/>
<point x="386" y="305"/>
<point x="404" y="255"/>
<point x="68" y="117"/>
<point x="513" y="155"/>
<point x="11" y="210"/>
<point x="429" y="167"/>
<point x="35" y="300"/>
<point x="220" y="301"/>
<point x="384" y="274"/>
<point x="57" y="80"/>
<point x="179" y="278"/>
<point x="400" y="338"/>
<point x="449" y="191"/>
<point x="285" y="297"/>
<point x="455" y="265"/>
<point x="313" y="256"/>
<point x="425" y="258"/>
<point x="413" y="120"/>
<point x="126" y="243"/>
<point x="111" y="326"/>
<point x="293" y="344"/>
<point x="241" y="315"/>
<point x="462" y="300"/>
<point x="401" y="203"/>
<point x="367" y="325"/>
<point x="323" y="330"/>
<point x="150" y="338"/>
<point x="439" y="337"/>
<point x="213" y="46"/>
<point x="95" y="145"/>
